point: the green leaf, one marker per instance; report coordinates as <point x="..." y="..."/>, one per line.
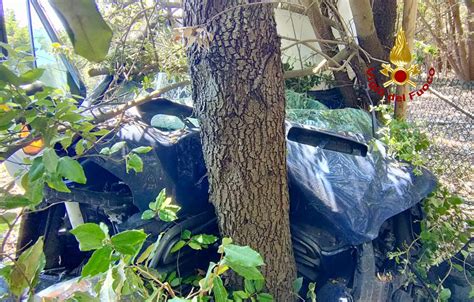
<point x="242" y="255"/>
<point x="107" y="292"/>
<point x="9" y="202"/>
<point x="205" y="238"/>
<point x="178" y="299"/>
<point x="134" y="162"/>
<point x="259" y="284"/>
<point x="89" y="235"/>
<point x="80" y="147"/>
<point x="82" y="297"/>
<point x="27" y="269"/>
<point x="7" y="76"/>
<point x="128" y="242"/>
<point x="50" y="160"/>
<point x="72" y="170"/>
<point x="148" y="214"/>
<point x="220" y="293"/>
<point x="264" y="297"/>
<point x="89" y="33"/>
<point x="33" y="189"/>
<point x="105" y="151"/>
<point x="31" y="75"/>
<point x="142" y="150"/>
<point x="195" y="246"/>
<point x="186" y="235"/>
<point x="99" y="262"/>
<point x="7" y="217"/>
<point x="117" y="147"/>
<point x="169" y="214"/>
<point x="145" y="255"/>
<point x="179" y="245"/>
<point x="36" y="170"/>
<point x="297" y="284"/>
<point x="240" y="294"/>
<point x="445" y="294"/>
<point x="249" y="286"/>
<point x="55" y="182"/>
<point x="159" y="200"/>
<point x="6" y="117"/>
<point x="248" y="272"/>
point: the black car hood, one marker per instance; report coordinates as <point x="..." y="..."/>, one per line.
<point x="354" y="194"/>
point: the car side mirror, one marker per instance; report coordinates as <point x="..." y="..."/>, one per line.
<point x="327" y="141"/>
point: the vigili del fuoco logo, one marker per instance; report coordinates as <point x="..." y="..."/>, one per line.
<point x="400" y="73"/>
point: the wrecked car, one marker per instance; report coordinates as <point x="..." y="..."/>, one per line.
<point x="350" y="203"/>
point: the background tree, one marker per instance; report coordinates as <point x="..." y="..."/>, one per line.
<point x="450" y="25"/>
<point x="238" y="89"/>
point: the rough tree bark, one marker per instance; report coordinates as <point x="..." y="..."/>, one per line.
<point x="322" y="30"/>
<point x="385" y="17"/>
<point x="238" y="90"/>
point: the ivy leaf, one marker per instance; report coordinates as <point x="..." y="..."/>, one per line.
<point x="98" y="263"/>
<point x="128" y="242"/>
<point x="89" y="235"/>
<point x="220" y="293"/>
<point x="89" y="33"/>
<point x="71" y="169"/>
<point x="242" y="255"/>
<point x="134" y="162"/>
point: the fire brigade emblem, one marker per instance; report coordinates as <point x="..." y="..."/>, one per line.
<point x="400" y="56"/>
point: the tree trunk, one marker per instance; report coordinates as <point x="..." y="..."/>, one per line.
<point x="410" y="9"/>
<point x="385" y="16"/>
<point x="367" y="37"/>
<point x="238" y="90"/>
<point x="470" y="37"/>
<point x="323" y="31"/>
<point x="365" y="26"/>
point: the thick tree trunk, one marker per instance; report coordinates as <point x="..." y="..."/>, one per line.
<point x="238" y="91"/>
<point x="322" y="30"/>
